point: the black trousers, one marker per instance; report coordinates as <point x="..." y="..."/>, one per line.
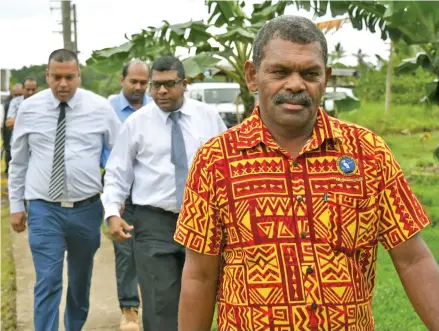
<point x="6" y="137"/>
<point x="159" y="263"/>
<point x="126" y="275"/>
<point x="7" y="150"/>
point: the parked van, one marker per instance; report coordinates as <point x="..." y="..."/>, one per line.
<point x="222" y="96"/>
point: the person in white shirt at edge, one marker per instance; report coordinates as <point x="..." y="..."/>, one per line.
<point x="59" y="135"/>
<point x="16" y="92"/>
<point x="30" y="87"/>
<point x="152" y="155"/>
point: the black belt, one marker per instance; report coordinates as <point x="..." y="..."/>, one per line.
<point x="158" y="209"/>
<point x="75" y="204"/>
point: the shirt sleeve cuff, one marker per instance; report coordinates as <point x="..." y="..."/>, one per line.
<point x="17" y="206"/>
<point x="111" y="210"/>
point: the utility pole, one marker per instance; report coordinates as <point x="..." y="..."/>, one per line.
<point x="66" y="25"/>
<point x="75" y="32"/>
<point x="66" y="15"/>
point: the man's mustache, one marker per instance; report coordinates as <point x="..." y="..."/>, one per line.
<point x="301" y="97"/>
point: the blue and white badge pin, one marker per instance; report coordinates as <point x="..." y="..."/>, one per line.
<point x="347" y="165"/>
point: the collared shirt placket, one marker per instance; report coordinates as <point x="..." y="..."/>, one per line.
<point x="301" y="197"/>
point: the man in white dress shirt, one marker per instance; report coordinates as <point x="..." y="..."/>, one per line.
<point x="152" y="155"/>
<point x="56" y="149"/>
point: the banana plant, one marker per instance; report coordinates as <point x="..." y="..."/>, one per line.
<point x="228" y="51"/>
<point x="225" y="52"/>
<point x="417" y="23"/>
<point x="235" y="45"/>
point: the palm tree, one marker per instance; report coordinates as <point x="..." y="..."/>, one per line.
<point x="337" y="54"/>
<point x="361" y="56"/>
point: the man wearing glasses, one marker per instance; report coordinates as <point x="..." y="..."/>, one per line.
<point x="151" y="157"/>
<point x="134" y="80"/>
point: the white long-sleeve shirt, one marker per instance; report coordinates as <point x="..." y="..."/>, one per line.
<point x="91" y="123"/>
<point x="141" y="157"/>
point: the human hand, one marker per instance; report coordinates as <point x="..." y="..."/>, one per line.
<point x="117" y="227"/>
<point x="9" y="123"/>
<point x="18" y="221"/>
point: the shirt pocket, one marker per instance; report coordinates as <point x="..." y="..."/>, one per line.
<point x="353" y="222"/>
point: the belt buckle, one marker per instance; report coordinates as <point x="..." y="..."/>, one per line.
<point x="66" y="204"/>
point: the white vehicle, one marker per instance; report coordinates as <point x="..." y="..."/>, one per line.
<point x="222" y="96"/>
<point x="328" y="100"/>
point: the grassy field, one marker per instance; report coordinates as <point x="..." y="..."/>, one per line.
<point x="8" y="285"/>
<point x="413" y="119"/>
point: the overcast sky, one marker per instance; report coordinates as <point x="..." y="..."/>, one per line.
<point x="27" y="27"/>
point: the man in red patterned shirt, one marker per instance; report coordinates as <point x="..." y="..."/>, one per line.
<point x="282" y="214"/>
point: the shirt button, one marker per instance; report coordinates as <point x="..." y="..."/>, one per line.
<point x="299" y="198"/>
<point x="309" y="270"/>
<point x="314" y="306"/>
<point x="295" y="164"/>
<point x="303" y="234"/>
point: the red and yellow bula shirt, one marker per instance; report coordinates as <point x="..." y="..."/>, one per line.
<point x="298" y="237"/>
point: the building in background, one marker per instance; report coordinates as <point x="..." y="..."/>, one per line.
<point x="5" y="77"/>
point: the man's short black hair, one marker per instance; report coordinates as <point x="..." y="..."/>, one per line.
<point x="29" y="79"/>
<point x="296" y="29"/>
<point x="127" y="66"/>
<point x="166" y="63"/>
<point x="63" y="55"/>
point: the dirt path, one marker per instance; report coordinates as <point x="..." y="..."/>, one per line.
<point x="104" y="311"/>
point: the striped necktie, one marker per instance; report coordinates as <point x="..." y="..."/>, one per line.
<point x="56" y="186"/>
<point x="178" y="156"/>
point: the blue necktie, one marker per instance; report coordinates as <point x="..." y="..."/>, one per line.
<point x="178" y="157"/>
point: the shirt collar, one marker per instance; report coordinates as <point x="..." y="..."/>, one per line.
<point x="71" y="103"/>
<point x="253" y="131"/>
<point x="185" y="109"/>
<point x="124" y="104"/>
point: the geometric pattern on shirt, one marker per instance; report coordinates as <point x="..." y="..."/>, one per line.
<point x="298" y="240"/>
<point x="56" y="185"/>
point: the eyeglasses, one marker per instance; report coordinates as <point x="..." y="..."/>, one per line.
<point x="166" y="83"/>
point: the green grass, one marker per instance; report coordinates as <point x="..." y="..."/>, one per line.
<point x="415" y="119"/>
<point x="412" y="154"/>
<point x="8" y="290"/>
<point x="8" y="282"/>
<point x="420" y="168"/>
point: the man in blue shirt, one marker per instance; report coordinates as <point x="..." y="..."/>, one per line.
<point x="134" y="81"/>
